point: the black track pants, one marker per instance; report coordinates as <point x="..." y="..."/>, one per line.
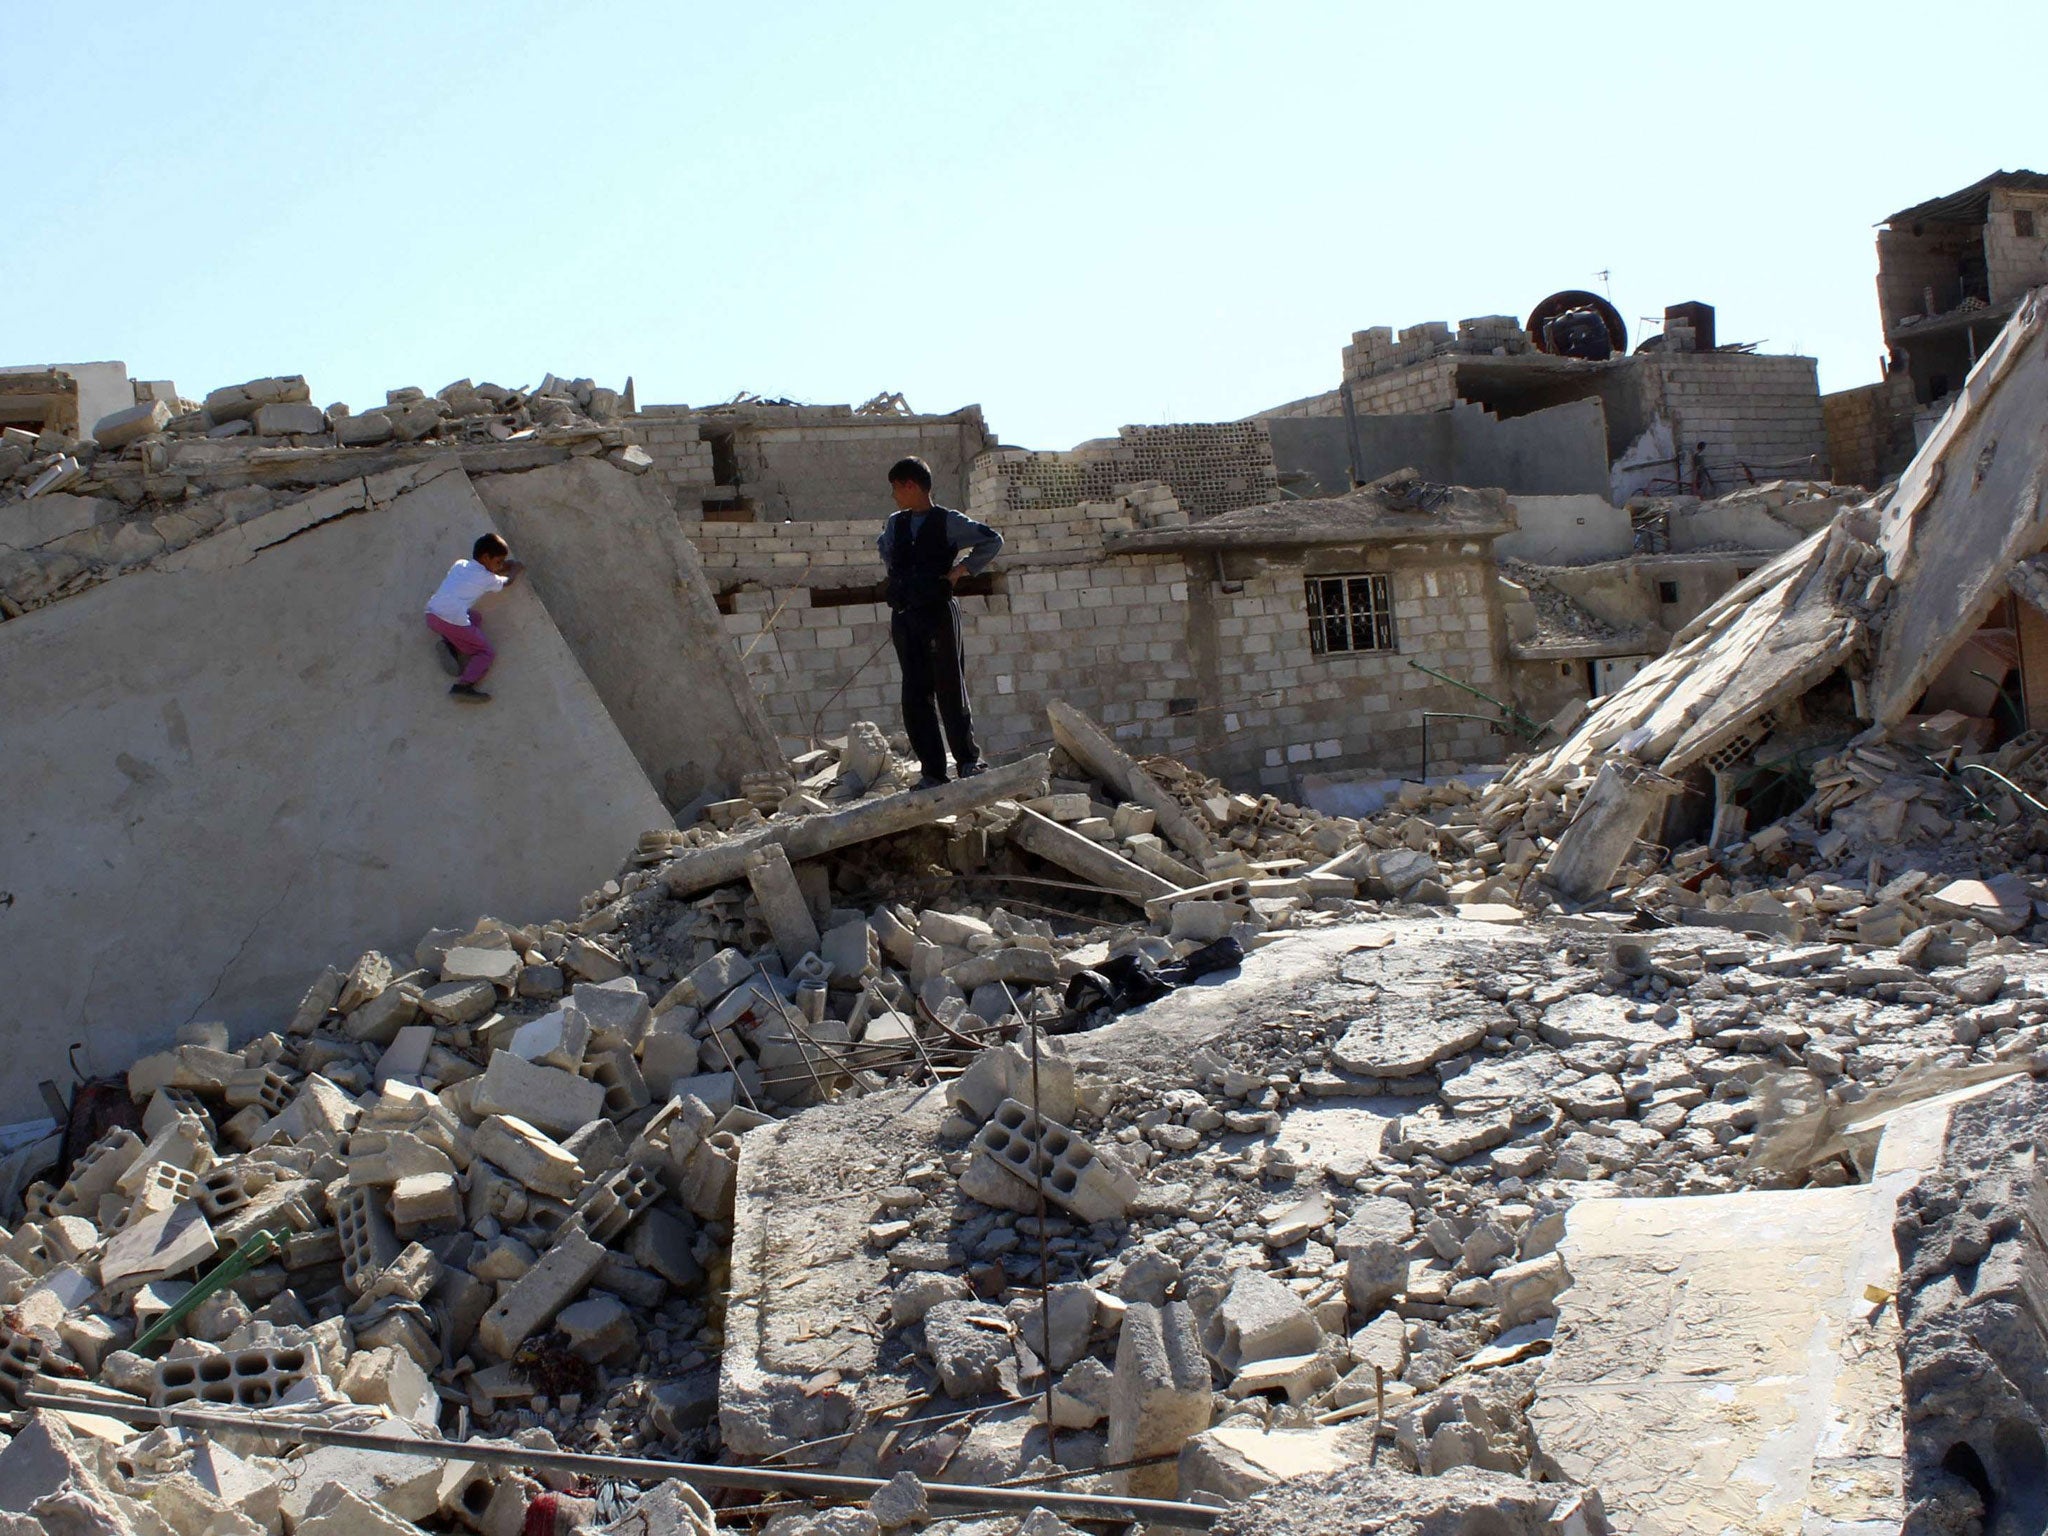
<point x="934" y="685"/>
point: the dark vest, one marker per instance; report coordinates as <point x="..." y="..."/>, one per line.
<point x="918" y="566"/>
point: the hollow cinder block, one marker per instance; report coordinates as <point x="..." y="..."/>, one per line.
<point x="368" y="1242"/>
<point x="242" y="1378"/>
<point x="1073" y="1174"/>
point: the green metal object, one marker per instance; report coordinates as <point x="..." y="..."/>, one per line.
<point x="1513" y="718"/>
<point x="255" y="1248"/>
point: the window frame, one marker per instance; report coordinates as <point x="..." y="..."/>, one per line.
<point x="1373" y="618"/>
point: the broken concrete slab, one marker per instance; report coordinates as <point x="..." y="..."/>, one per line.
<point x="702" y="869"/>
<point x="1090" y="746"/>
<point x="626" y="588"/>
<point x="1407" y="1033"/>
<point x="165" y="713"/>
<point x="1718" y="1362"/>
<point x="1081" y="856"/>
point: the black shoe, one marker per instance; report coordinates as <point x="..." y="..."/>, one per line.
<point x="973" y="770"/>
<point x="469" y="693"/>
<point x="451" y="660"/>
<point x="929" y="782"/>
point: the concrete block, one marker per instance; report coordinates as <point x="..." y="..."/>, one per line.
<point x="1160" y="1397"/>
<point x="290" y="419"/>
<point x="967" y="1341"/>
<point x="710" y="981"/>
<point x="614" y="1013"/>
<point x="532" y="1157"/>
<point x="668" y="1051"/>
<point x="601" y="1329"/>
<point x="1259" y="1319"/>
<point x="533" y="1300"/>
<point x="379" y="1020"/>
<point x="667" y="1246"/>
<point x="157" y="1247"/>
<point x="117" y="431"/>
<point x="459" y="1002"/>
<point x="392" y="1378"/>
<point x="363" y="1493"/>
<point x="553" y="1040"/>
<point x="598" y="1146"/>
<point x="613" y="1203"/>
<point x="1074" y="1175"/>
<point x="500" y="967"/>
<point x="547" y="1097"/>
<point x="708" y="1176"/>
<point x="368" y="1244"/>
<point x="618" y="1074"/>
<point x="426" y="1204"/>
<point x="241" y="1378"/>
<point x="1004" y="1072"/>
<point x="853" y="952"/>
<point x="239" y="401"/>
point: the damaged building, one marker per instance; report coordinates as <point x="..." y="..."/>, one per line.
<point x="1641" y="1135"/>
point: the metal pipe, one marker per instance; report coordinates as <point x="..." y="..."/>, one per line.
<point x="631" y="1468"/>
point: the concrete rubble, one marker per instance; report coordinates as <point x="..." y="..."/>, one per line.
<point x="1644" y="1137"/>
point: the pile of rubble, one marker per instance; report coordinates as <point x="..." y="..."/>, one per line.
<point x="496" y="1187"/>
<point x="495" y="1179"/>
<point x="148" y="480"/>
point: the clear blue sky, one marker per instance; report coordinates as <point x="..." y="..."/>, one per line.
<point x="1076" y="215"/>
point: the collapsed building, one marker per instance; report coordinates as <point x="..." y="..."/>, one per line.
<point x="1643" y="1136"/>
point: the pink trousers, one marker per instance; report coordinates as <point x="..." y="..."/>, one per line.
<point x="469" y="642"/>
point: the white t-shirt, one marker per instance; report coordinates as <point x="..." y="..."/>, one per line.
<point x="465" y="582"/>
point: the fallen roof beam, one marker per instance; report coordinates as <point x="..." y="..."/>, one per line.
<point x="1085" y="857"/>
<point x="1089" y="745"/>
<point x="703" y="869"/>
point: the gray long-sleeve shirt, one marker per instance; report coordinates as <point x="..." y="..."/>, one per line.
<point x="981" y="542"/>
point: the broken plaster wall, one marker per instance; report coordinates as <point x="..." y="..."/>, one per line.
<point x="627" y="591"/>
<point x="773" y="463"/>
<point x="1561" y="451"/>
<point x="224" y="771"/>
<point x="1211" y="467"/>
<point x="1174" y="654"/>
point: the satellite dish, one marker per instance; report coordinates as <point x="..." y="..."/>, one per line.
<point x="1563" y="303"/>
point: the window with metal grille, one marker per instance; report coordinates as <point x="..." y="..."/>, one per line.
<point x="1350" y="613"/>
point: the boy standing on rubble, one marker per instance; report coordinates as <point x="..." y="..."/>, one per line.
<point x="929" y="550"/>
<point x="489" y="568"/>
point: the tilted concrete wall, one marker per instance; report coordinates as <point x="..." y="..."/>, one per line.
<point x="1568" y="530"/>
<point x="222" y="773"/>
<point x="627" y="590"/>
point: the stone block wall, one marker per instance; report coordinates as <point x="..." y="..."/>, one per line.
<point x="1211" y="467"/>
<point x="2015" y="262"/>
<point x="1408" y="390"/>
<point x="682" y="459"/>
<point x="1869" y="431"/>
<point x="1167" y="656"/>
<point x="778" y="463"/>
<point x="1762" y="411"/>
<point x="1377" y="351"/>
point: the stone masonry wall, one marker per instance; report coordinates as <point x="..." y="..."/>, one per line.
<point x="2015" y="262"/>
<point x="682" y="460"/>
<point x="1748" y="409"/>
<point x="1220" y="674"/>
<point x="799" y="462"/>
<point x="1869" y="431"/>
<point x="1428" y="386"/>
